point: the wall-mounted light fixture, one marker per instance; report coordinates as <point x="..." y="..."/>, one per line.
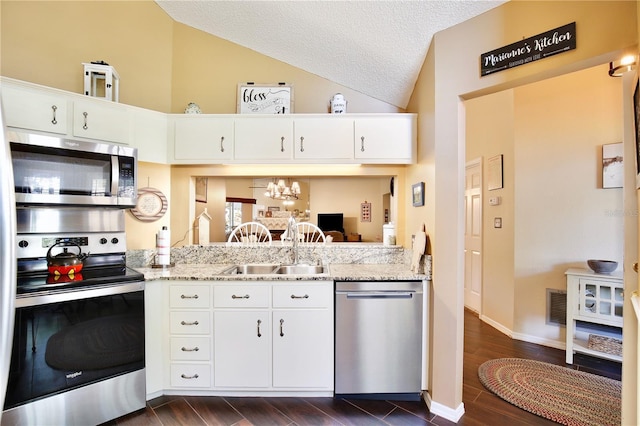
<point x="618" y="68"/>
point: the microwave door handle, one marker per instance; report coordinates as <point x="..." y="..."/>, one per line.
<point x="115" y="175"/>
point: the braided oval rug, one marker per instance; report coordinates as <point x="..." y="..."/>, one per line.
<point x="566" y="396"/>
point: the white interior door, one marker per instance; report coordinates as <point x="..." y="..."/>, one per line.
<point x="473" y="236"/>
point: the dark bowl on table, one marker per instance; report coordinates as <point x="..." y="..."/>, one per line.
<point x="602" y="266"/>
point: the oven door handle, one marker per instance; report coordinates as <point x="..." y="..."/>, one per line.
<point x="77" y="294"/>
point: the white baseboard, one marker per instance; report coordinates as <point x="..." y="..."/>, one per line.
<point x="524" y="337"/>
<point x="540" y="341"/>
<point x="453" y="415"/>
<point x="501" y="328"/>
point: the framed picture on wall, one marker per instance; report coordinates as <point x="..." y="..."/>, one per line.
<point x="636" y="119"/>
<point x="612" y="173"/>
<point x="365" y="212"/>
<point x="201" y="189"/>
<point x="417" y="191"/>
<point x="265" y="98"/>
<point x="494" y="173"/>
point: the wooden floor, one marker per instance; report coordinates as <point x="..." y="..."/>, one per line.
<point x="481" y="343"/>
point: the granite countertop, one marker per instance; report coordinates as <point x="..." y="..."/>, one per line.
<point x="338" y="272"/>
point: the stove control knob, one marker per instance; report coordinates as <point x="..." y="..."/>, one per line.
<point x="23" y="243"/>
<point x="114" y="241"/>
<point x="103" y="240"/>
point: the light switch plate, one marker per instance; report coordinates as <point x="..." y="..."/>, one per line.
<point x="497" y="222"/>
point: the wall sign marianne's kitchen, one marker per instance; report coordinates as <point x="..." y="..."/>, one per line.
<point x="549" y="43"/>
<point x="265" y="98"/>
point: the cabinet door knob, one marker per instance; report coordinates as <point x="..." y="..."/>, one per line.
<point x="54" y="108"/>
<point x="281" y="327"/>
<point x="85" y="120"/>
<point x="259" y="332"/>
<point x="301" y="144"/>
<point x="282" y="144"/>
<point x="362" y="143"/>
<point x="222" y="144"/>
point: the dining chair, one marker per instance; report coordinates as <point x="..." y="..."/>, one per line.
<point x="250" y="233"/>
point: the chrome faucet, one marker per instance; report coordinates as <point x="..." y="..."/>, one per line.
<point x="292" y="234"/>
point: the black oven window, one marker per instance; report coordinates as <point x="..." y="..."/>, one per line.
<point x="61" y="346"/>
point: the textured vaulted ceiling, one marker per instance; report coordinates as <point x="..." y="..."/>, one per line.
<point x="374" y="47"/>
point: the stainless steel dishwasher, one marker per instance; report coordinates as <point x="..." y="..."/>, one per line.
<point x="378" y="334"/>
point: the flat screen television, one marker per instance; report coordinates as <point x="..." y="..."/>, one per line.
<point x="331" y="222"/>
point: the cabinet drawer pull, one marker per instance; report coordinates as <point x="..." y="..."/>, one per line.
<point x="301" y="144"/>
<point x="189" y="323"/>
<point x="196" y="349"/>
<point x="85" y="120"/>
<point x="282" y="144"/>
<point x="184" y="376"/>
<point x="362" y="143"/>
<point x="293" y="296"/>
<point x="259" y="333"/>
<point x="246" y="296"/>
<point x="222" y="144"/>
<point x="281" y="327"/>
<point x="54" y="108"/>
<point x="184" y="296"/>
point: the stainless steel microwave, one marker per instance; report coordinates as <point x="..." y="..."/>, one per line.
<point x="50" y="170"/>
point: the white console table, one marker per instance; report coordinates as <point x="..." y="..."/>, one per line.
<point x="592" y="300"/>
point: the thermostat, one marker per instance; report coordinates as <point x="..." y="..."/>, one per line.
<point x="495" y="201"/>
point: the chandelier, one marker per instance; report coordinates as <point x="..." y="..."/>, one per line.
<point x="280" y="191"/>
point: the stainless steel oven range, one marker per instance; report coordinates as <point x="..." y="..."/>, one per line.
<point x="78" y="345"/>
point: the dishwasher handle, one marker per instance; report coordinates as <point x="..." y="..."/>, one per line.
<point x="379" y="294"/>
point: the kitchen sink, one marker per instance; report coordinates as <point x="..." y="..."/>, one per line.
<point x="255" y="268"/>
<point x="301" y="269"/>
<point x="269" y="268"/>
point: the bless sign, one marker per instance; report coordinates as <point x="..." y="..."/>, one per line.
<point x="541" y="46"/>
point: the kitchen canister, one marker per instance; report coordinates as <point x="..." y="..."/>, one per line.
<point x="389" y="234"/>
<point x="163" y="247"/>
<point x="338" y="104"/>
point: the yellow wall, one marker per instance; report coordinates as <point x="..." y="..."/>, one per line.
<point x="489" y="130"/>
<point x="46" y="42"/>
<point x="605" y="29"/>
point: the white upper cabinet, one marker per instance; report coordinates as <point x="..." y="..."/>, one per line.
<point x="199" y="139"/>
<point x="150" y="135"/>
<point x="214" y="138"/>
<point x="101" y="120"/>
<point x="263" y="139"/>
<point x="323" y="138"/>
<point x="27" y="108"/>
<point x="389" y="139"/>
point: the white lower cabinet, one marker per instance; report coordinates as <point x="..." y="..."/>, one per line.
<point x="192" y="376"/>
<point x="242" y="344"/>
<point x="250" y="336"/>
<point x="187" y="325"/>
<point x="300" y="355"/>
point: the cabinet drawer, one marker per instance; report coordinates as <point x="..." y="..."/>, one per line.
<point x="190" y="348"/>
<point x="189" y="322"/>
<point x="302" y="296"/>
<point x="189" y="296"/>
<point x="241" y="296"/>
<point x="191" y="375"/>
